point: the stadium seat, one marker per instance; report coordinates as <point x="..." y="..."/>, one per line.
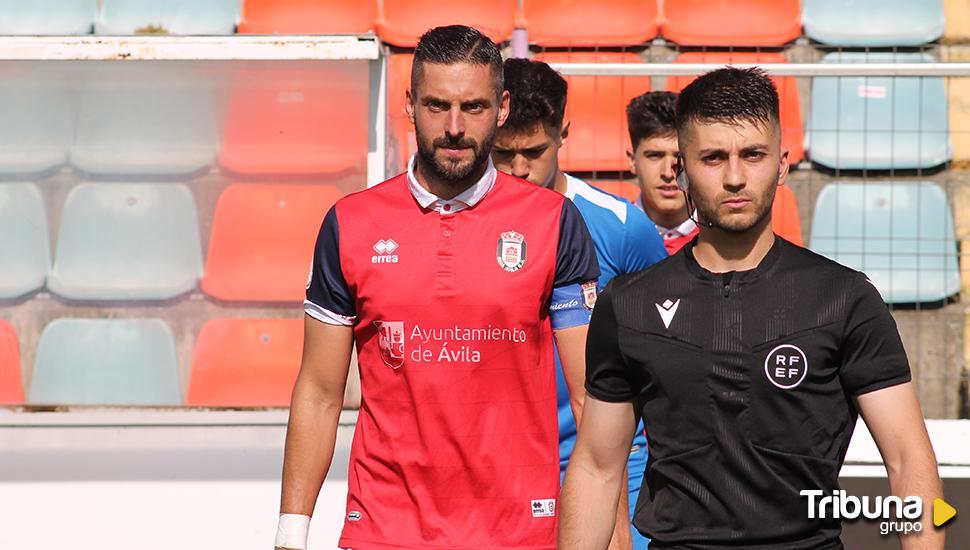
<point x="262" y="241"/>
<point x="24" y="249"/>
<point x="878" y="123"/>
<point x="307" y="16"/>
<point x="623" y="189"/>
<point x="402" y="143"/>
<point x="900" y="234"/>
<point x="11" y="381"/>
<point x="193" y="17"/>
<point x="785" y="220"/>
<point x="734" y="23"/>
<point x="596" y="109"/>
<point x="875" y="23"/>
<point x="589" y="23"/>
<point x="145" y="120"/>
<point x="298" y="122"/>
<point x="127" y="241"/>
<point x="37" y="130"/>
<point x="105" y="362"/>
<point x="402" y="22"/>
<point x="791" y="113"/>
<point x="47" y="17"/>
<point x="246" y="363"/>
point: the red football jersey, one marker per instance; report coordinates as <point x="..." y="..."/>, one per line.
<point x="456" y="443"/>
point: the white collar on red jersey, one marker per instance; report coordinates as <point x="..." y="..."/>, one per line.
<point x="466" y="199"/>
<point x="685" y="228"/>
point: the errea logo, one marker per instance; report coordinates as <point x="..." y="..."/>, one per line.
<point x="385" y="252"/>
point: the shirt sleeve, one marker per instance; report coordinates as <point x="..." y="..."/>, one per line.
<point x="607" y="376"/>
<point x="873" y="357"/>
<point x="328" y="296"/>
<point x="574" y="287"/>
<point x="642" y="244"/>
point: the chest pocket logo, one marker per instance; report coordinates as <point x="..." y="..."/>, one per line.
<point x="786" y="366"/>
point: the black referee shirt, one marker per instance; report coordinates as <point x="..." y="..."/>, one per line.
<point x="744" y="381"/>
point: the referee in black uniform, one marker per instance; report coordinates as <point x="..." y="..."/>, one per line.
<point x="748" y="357"/>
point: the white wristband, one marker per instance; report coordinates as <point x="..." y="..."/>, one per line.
<point x="292" y="531"/>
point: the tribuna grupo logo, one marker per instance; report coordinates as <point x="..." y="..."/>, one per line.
<point x="896" y="515"/>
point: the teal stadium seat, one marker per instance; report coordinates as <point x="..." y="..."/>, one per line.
<point x="36" y="128"/>
<point x="900" y="234"/>
<point x="127" y="241"/>
<point x="876" y="23"/>
<point x="47" y="17"/>
<point x="878" y="123"/>
<point x="145" y="120"/>
<point x="24" y="249"/>
<point x="191" y="17"/>
<point x="105" y="362"/>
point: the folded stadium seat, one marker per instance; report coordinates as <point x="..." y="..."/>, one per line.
<point x="734" y="23"/>
<point x="24" y="243"/>
<point x="105" y="362"/>
<point x="262" y="241"/>
<point x="785" y="220"/>
<point x="596" y="109"/>
<point x="791" y="113"/>
<point x="878" y="123"/>
<point x="127" y="241"/>
<point x="193" y="17"/>
<point x="11" y="381"/>
<point x="402" y="22"/>
<point x="307" y="16"/>
<point x="246" y="363"/>
<point x="47" y="17"/>
<point x="37" y="129"/>
<point x="145" y="120"/>
<point x="400" y="131"/>
<point x="298" y="122"/>
<point x="589" y="23"/>
<point x="873" y="22"/>
<point x="623" y="189"/>
<point x="899" y="233"/>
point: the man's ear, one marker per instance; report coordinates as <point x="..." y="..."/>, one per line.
<point x="408" y="105"/>
<point x="503" y="108"/>
<point x="783" y="167"/>
<point x="564" y="133"/>
<point x="631" y="156"/>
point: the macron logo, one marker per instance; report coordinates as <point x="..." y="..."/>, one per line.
<point x="667" y="311"/>
<point x="385" y="252"/>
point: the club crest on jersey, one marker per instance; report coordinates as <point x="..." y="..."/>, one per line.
<point x="511" y="251"/>
<point x="589" y="294"/>
<point x="390" y="339"/>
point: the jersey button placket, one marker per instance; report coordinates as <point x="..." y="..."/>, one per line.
<point x="445" y="277"/>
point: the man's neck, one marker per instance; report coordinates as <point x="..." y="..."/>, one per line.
<point x="559" y="183"/>
<point x="445" y="189"/>
<point x="719" y="251"/>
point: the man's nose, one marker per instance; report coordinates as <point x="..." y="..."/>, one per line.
<point x="520" y="167"/>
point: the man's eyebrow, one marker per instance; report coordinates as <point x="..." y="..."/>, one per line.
<point x="755" y="147"/>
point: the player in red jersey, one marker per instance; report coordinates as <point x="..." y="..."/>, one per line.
<point x="451" y="279"/>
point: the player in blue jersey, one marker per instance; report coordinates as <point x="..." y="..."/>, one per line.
<point x="527" y="146"/>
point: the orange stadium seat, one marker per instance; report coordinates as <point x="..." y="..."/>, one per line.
<point x="596" y="110"/>
<point x="307" y="16"/>
<point x="402" y="22"/>
<point x="246" y="363"/>
<point x="11" y="383"/>
<point x="731" y="22"/>
<point x="623" y="189"/>
<point x="298" y="121"/>
<point x="590" y="23"/>
<point x="791" y="112"/>
<point x="262" y="240"/>
<point x="400" y="129"/>
<point x="785" y="220"/>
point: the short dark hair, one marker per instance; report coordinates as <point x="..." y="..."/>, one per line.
<point x="538" y="95"/>
<point x="651" y="114"/>
<point x="729" y="95"/>
<point x="457" y="44"/>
